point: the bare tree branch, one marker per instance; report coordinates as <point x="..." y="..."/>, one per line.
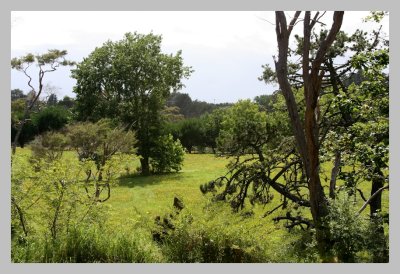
<point x="371" y="198"/>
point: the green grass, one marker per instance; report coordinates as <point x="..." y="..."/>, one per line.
<point x="138" y="196"/>
<point x="214" y="229"/>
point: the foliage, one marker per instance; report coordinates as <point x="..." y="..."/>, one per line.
<point x="67" y="102"/>
<point x="347" y="229"/>
<point x="137" y="199"/>
<point x="50" y="196"/>
<point x="129" y="80"/>
<point x="50" y="118"/>
<point x="352" y="235"/>
<point x="84" y="244"/>
<point x="49" y="146"/>
<point x="28" y="132"/>
<point x="52" y="100"/>
<point x="101" y="140"/>
<point x="244" y="127"/>
<point x="168" y="155"/>
<point x="210" y="243"/>
<point x="191" y="133"/>
<point x="192" y="108"/>
<point x="212" y="124"/>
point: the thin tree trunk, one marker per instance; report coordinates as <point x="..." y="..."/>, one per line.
<point x="144" y="162"/>
<point x="382" y="254"/>
<point x="53" y="228"/>
<point x="19" y="131"/>
<point x="21" y="216"/>
<point x="334" y="174"/>
<point x="376" y="202"/>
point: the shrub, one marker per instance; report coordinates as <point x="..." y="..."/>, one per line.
<point x="49" y="146"/>
<point x="212" y="238"/>
<point x="354" y="235"/>
<point x="167" y="155"/>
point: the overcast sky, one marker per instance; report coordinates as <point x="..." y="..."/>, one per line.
<point x="225" y="49"/>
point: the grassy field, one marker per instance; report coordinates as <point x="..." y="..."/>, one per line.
<point x="136" y="200"/>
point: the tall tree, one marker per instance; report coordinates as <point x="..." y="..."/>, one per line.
<point x="47" y="62"/>
<point x="307" y="133"/>
<point x="131" y="80"/>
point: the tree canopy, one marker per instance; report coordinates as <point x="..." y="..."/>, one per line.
<point x="130" y="80"/>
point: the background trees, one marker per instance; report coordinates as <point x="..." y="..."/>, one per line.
<point x="130" y="80"/>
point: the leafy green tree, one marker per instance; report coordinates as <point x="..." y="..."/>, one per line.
<point x="266" y="101"/>
<point x="49" y="200"/>
<point x="131" y="80"/>
<point x="172" y="114"/>
<point x="182" y="101"/>
<point x="50" y="118"/>
<point x="169" y="155"/>
<point x="244" y="128"/>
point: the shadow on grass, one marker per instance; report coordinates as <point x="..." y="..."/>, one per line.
<point x="138" y="180"/>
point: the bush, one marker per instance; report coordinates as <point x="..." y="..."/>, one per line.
<point x="51" y="118"/>
<point x="167" y="155"/>
<point x="354" y="236"/>
<point x="49" y="146"/>
<point x="213" y="237"/>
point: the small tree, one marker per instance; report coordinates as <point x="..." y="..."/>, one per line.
<point x="212" y="123"/>
<point x="49" y="146"/>
<point x="47" y="62"/>
<point x="99" y="142"/>
<point x="244" y="129"/>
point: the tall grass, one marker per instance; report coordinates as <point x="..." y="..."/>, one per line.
<point x="88" y="245"/>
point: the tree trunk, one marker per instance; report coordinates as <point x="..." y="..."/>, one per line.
<point x="377" y="183"/>
<point x="375" y="206"/>
<point x="307" y="135"/>
<point x="144" y="162"/>
<point x="18" y="134"/>
<point x="21" y="216"/>
<point x="334" y="174"/>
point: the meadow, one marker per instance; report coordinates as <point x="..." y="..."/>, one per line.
<point x="204" y="231"/>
